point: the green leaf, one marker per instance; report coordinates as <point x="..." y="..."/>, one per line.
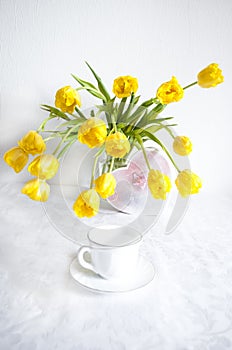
<point x="55" y="111"/>
<point x="103" y="108"/>
<point x="101" y="150"/>
<point x="155" y="128"/>
<point x="43" y="124"/>
<point x="84" y="83"/>
<point x="100" y="84"/>
<point x="148" y="103"/>
<point x="107" y="107"/>
<point x="113" y="99"/>
<point x="126" y="114"/>
<point x="136" y="99"/>
<point x="59" y="133"/>
<point x="159" y="120"/>
<point x="67" y="134"/>
<point x="144" y="122"/>
<point x="80" y="113"/>
<point x="156" y="140"/>
<point x="97" y="94"/>
<point x="136" y="115"/>
<point x="71" y="122"/>
<point x="90" y="88"/>
<point x="155" y="111"/>
<point x="121" y="108"/>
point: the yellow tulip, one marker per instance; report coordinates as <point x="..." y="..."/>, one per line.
<point x="188" y="183"/>
<point x="87" y="204"/>
<point x="210" y="76"/>
<point x="159" y="184"/>
<point x="182" y="145"/>
<point x="117" y="145"/>
<point x="44" y="166"/>
<point x="32" y="143"/>
<point x="16" y="158"/>
<point x="105" y="185"/>
<point x="92" y="132"/>
<point x="170" y="91"/>
<point x="37" y="189"/>
<point x="67" y="98"/>
<point x="124" y="86"/>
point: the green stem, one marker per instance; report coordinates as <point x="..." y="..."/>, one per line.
<point x="43" y="124"/>
<point x="49" y="138"/>
<point x="104" y="168"/>
<point x="80" y="88"/>
<point x="186" y="87"/>
<point x="111" y="165"/>
<point x="80" y="113"/>
<point x="63" y="139"/>
<point x="93" y="172"/>
<point x="107" y="116"/>
<point x="154" y="138"/>
<point x="121" y="108"/>
<point x="169" y="131"/>
<point x="114" y="123"/>
<point x="131" y="105"/>
<point x="57" y="149"/>
<point x="144" y="152"/>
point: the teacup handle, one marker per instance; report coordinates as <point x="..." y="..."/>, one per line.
<point x="80" y="256"/>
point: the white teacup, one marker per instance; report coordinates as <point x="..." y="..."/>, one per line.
<point x="113" y="252"/>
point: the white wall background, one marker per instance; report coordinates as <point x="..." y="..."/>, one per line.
<point x="43" y="41"/>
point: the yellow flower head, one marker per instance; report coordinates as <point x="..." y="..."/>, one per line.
<point x="44" y="166"/>
<point x="182" y="145"/>
<point x="188" y="183"/>
<point x="32" y="143"/>
<point x="67" y="98"/>
<point x="92" y="132"/>
<point x="105" y="185"/>
<point x="210" y="76"/>
<point x="16" y="158"/>
<point x="170" y="91"/>
<point x="124" y="86"/>
<point x="159" y="184"/>
<point x="87" y="204"/>
<point x="36" y="189"/>
<point x="117" y="145"/>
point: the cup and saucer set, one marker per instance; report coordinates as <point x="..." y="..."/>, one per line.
<point x="111" y="262"/>
<point x="109" y="257"/>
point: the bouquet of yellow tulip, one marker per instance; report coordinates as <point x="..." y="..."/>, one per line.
<point x="126" y="124"/>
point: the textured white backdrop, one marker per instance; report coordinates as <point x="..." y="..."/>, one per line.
<point x="188" y="306"/>
<point x="42" y="42"/>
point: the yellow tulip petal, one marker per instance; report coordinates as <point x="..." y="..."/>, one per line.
<point x="210" y="76"/>
<point x="182" y="145"/>
<point x="32" y="143"/>
<point x="188" y="183"/>
<point x="92" y="132"/>
<point x="105" y="185"/>
<point x="170" y="92"/>
<point x="123" y="86"/>
<point x="117" y="145"/>
<point x="67" y="98"/>
<point x="159" y="184"/>
<point x="16" y="158"/>
<point x="44" y="166"/>
<point x="87" y="204"/>
<point x="36" y="189"/>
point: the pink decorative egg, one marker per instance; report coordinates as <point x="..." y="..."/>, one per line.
<point x="131" y="191"/>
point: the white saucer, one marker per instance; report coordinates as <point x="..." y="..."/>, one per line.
<point x="143" y="275"/>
